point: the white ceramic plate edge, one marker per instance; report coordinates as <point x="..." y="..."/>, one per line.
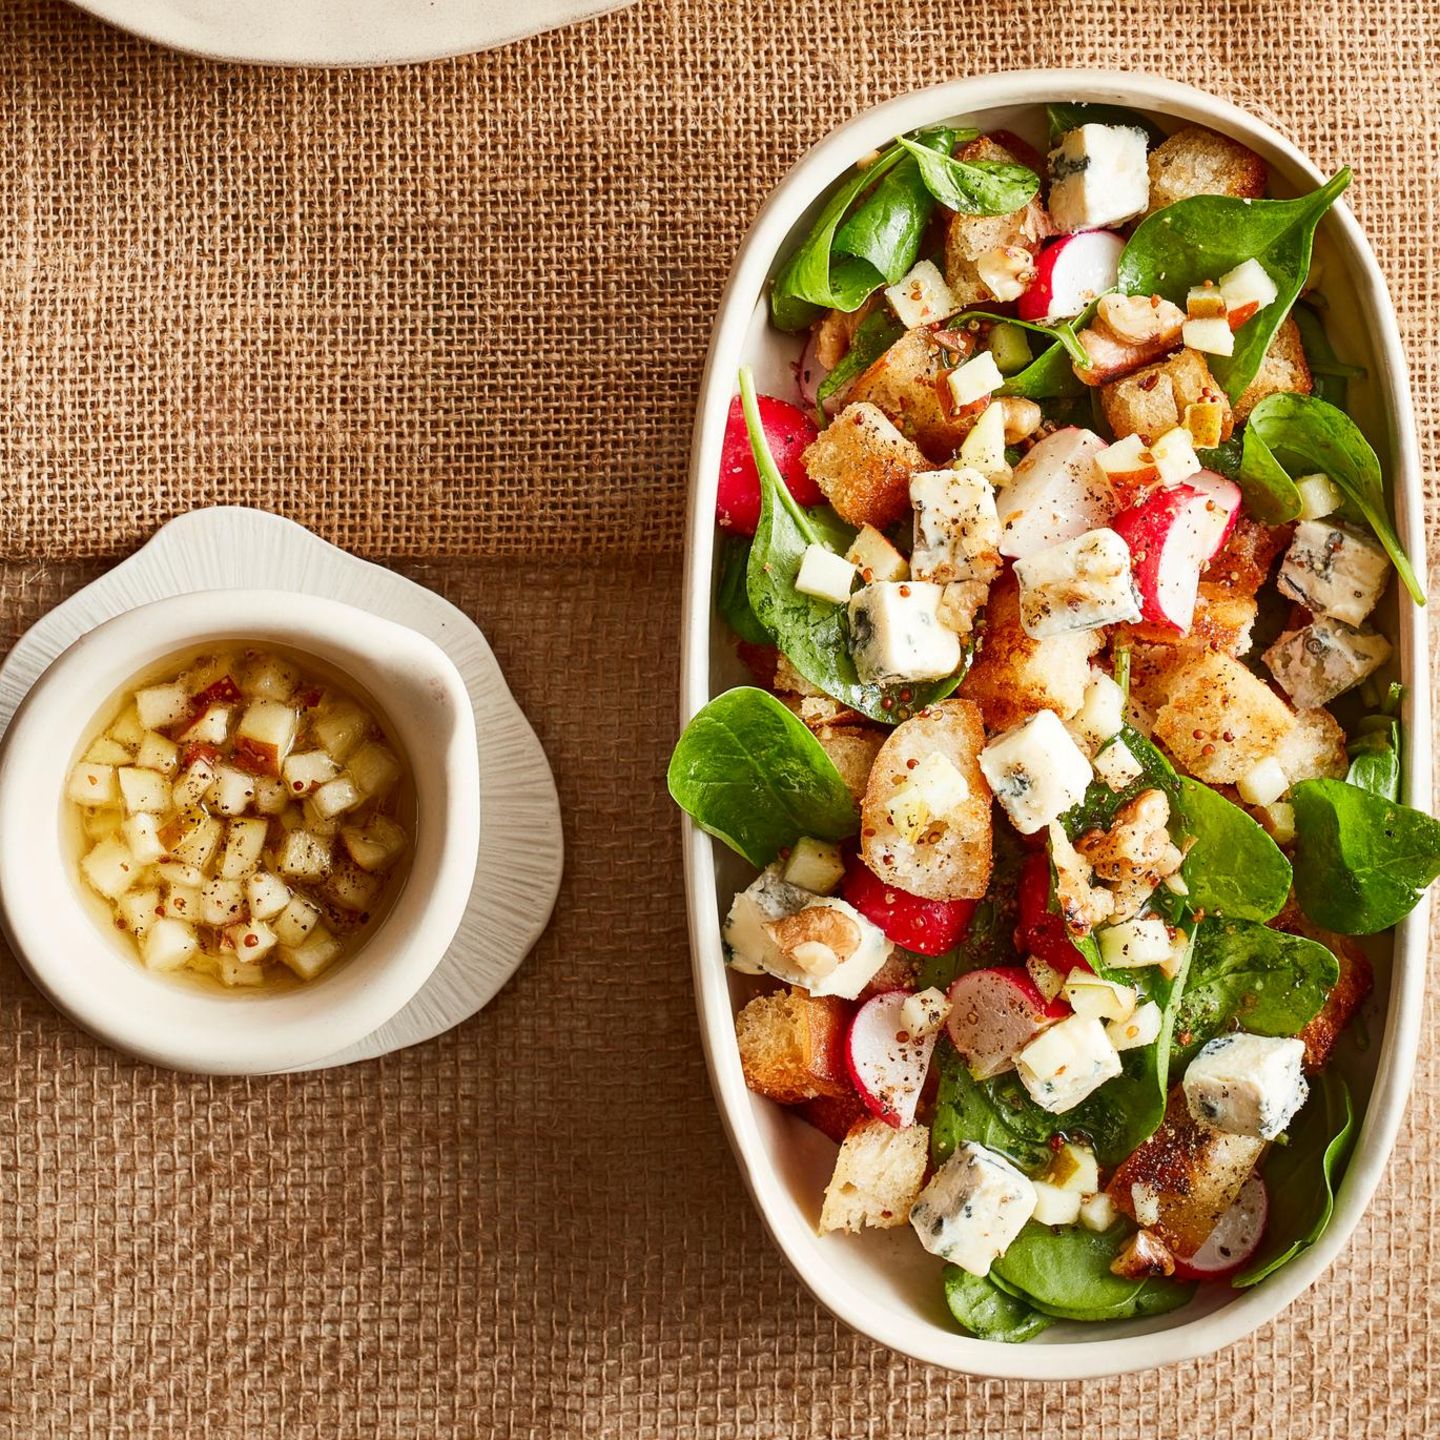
<point x="227" y="547"/>
<point x="1172" y="1338"/>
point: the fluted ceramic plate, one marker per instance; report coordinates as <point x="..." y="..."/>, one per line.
<point x="515" y="885"/>
<point x="340" y="32"/>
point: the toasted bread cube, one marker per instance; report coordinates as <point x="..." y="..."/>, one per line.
<point x="377" y="845"/>
<point x="1284" y="368"/>
<point x="878" y="1174"/>
<point x="306" y="772"/>
<point x="137" y="910"/>
<point x="111" y="868"/>
<point x="1197" y="161"/>
<point x="314" y="957"/>
<point x="244" y="843"/>
<point x="863" y="464"/>
<point x="1314" y="749"/>
<point x="374" y="769"/>
<point x="168" y="944"/>
<point x="266" y="895"/>
<point x="792" y="1046"/>
<point x="158" y="753"/>
<point x="92" y="784"/>
<point x="970" y="238"/>
<point x="902" y="384"/>
<point x="305" y="856"/>
<point x="852" y="750"/>
<point x="1152" y="401"/>
<point x="296" y="922"/>
<point x="160" y="706"/>
<point x="105" y="751"/>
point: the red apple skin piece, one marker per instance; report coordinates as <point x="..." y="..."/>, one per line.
<point x="887" y="1064"/>
<point x="788" y="430"/>
<point x="1238" y="316"/>
<point x="1234" y="1240"/>
<point x="994" y="1014"/>
<point x="1070" y="271"/>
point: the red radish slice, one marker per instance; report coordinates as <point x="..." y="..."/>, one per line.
<point x="1040" y="931"/>
<point x="886" y="1062"/>
<point x="928" y="927"/>
<point x="1069" y="273"/>
<point x="1172" y="536"/>
<point x="788" y="430"/>
<point x="994" y="1014"/>
<point x="1234" y="1240"/>
<point x="1227" y="499"/>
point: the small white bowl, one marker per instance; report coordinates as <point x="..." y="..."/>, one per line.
<point x="87" y="972"/>
<point x="881" y="1283"/>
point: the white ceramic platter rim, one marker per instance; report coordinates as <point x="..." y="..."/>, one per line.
<point x="339" y="32"/>
<point x="232" y="547"/>
<point x="1171" y="1340"/>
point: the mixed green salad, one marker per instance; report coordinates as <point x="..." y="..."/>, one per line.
<point x="1072" y="763"/>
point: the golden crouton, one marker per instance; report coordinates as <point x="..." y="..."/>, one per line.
<point x="1357" y="979"/>
<point x="1183" y="1178"/>
<point x="905" y="385"/>
<point x="1219" y="720"/>
<point x="1153" y="400"/>
<point x="1222" y="621"/>
<point x="878" y="1174"/>
<point x="833" y="1115"/>
<point x="971" y="236"/>
<point x="792" y="1046"/>
<point x="1243" y="564"/>
<point x="950" y="858"/>
<point x="1015" y="675"/>
<point x="1196" y="161"/>
<point x="1314" y="749"/>
<point x="1283" y="368"/>
<point x="864" y="464"/>
<point x="852" y="749"/>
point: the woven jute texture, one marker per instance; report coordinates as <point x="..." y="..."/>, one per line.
<point x="452" y="317"/>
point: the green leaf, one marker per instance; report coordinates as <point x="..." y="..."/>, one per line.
<point x="1101" y="804"/>
<point x="1223" y="459"/>
<point x="995" y="1113"/>
<point x="1202" y="238"/>
<point x="990" y="937"/>
<point x="1362" y="862"/>
<point x="1330" y="376"/>
<point x="1072" y="114"/>
<point x="813" y="634"/>
<point x="1234" y="868"/>
<point x="975" y="187"/>
<point x="1305" y="435"/>
<point x="1301" y="1179"/>
<point x="1250" y="977"/>
<point x="1066" y="1273"/>
<point x="876" y="333"/>
<point x="888" y="225"/>
<point x="750" y="773"/>
<point x="987" y="1311"/>
<point x="1062" y="334"/>
<point x="731" y="599"/>
<point x="1269" y="491"/>
<point x="1374" y="749"/>
<point x="1050" y="375"/>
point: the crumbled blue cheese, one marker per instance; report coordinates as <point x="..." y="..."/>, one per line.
<point x="895" y="634"/>
<point x="1334" y="569"/>
<point x="1036" y="771"/>
<point x="1247" y="1084"/>
<point x="973" y="1207"/>
<point x="1325" y="659"/>
<point x="957" y="532"/>
<point x="1079" y="584"/>
<point x="1067" y="1062"/>
<point x="748" y="946"/>
<point x="1099" y="176"/>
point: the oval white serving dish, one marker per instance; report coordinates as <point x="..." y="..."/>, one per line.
<point x="882" y="1283"/>
<point x="90" y="974"/>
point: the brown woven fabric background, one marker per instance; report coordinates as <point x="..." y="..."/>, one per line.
<point x="452" y="316"/>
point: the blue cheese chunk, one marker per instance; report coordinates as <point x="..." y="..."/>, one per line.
<point x="1037" y="771"/>
<point x="748" y="945"/>
<point x="1325" y="659"/>
<point x="973" y="1208"/>
<point x="957" y="532"/>
<point x="1247" y="1084"/>
<point x="1334" y="570"/>
<point x="1068" y="1062"/>
<point x="1099" y="176"/>
<point x="896" y="635"/>
<point x="1079" y="584"/>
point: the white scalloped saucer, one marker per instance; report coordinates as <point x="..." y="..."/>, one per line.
<point x="231" y="547"/>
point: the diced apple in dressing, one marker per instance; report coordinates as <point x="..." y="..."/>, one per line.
<point x="92" y="784"/>
<point x="144" y="790"/>
<point x="335" y="797"/>
<point x="168" y="944"/>
<point x="222" y="902"/>
<point x="252" y="939"/>
<point x="266" y="894"/>
<point x="244" y="844"/>
<point x="266" y="733"/>
<point x="308" y="772"/>
<point x="270" y="678"/>
<point x="183" y="902"/>
<point x="192" y="787"/>
<point x="304" y="856"/>
<point x="212" y="728"/>
<point x="137" y="911"/>
<point x="377" y="845"/>
<point x="352" y="888"/>
<point x="105" y="751"/>
<point x="231" y="792"/>
<point x="340" y="729"/>
<point x="317" y="954"/>
<point x="271" y="795"/>
<point x="374" y="769"/>
<point x="240" y="974"/>
<point x="295" y="922"/>
<point x="161" y="706"/>
<point x="142" y="835"/>
<point x="111" y="868"/>
<point x="196" y="845"/>
<point x="158" y="753"/>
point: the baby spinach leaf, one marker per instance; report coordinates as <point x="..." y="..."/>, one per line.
<point x="1202" y="238"/>
<point x="889" y="224"/>
<point x="732" y="601"/>
<point x="1251" y="977"/>
<point x="1098" y="809"/>
<point x="1072" y="114"/>
<point x="1270" y="493"/>
<point x="1374" y="749"/>
<point x="1051" y="375"/>
<point x="876" y="333"/>
<point x="985" y="1310"/>
<point x="1304" y="435"/>
<point x="1301" y="1178"/>
<point x="1362" y="862"/>
<point x="1330" y="376"/>
<point x="1063" y="333"/>
<point x="1223" y="459"/>
<point x="990" y="937"/>
<point x="813" y="634"/>
<point x="750" y="773"/>
<point x="974" y="187"/>
<point x="1066" y="1273"/>
<point x="996" y="1113"/>
<point x="1234" y="868"/>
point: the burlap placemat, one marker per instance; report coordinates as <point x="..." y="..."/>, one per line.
<point x="453" y="316"/>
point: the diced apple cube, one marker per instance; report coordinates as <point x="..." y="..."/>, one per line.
<point x="142" y="835"/>
<point x="105" y="751"/>
<point x="232" y="791"/>
<point x="308" y="771"/>
<point x="304" y="856"/>
<point x="212" y="728"/>
<point x="158" y="753"/>
<point x="295" y="922"/>
<point x="137" y="911"/>
<point x="111" y="868"/>
<point x="375" y="769"/>
<point x="271" y="795"/>
<point x="174" y="872"/>
<point x="197" y="845"/>
<point x="378" y="845"/>
<point x="341" y="728"/>
<point x="192" y="787"/>
<point x="92" y="784"/>
<point x="316" y="823"/>
<point x="317" y="954"/>
<point x="876" y="558"/>
<point x="352" y="888"/>
<point x="252" y="940"/>
<point x="1210" y="337"/>
<point x="241" y="974"/>
<point x="266" y="733"/>
<point x="183" y="902"/>
<point x="336" y="797"/>
<point x="102" y="824"/>
<point x="160" y="706"/>
<point x="266" y="894"/>
<point x="270" y="678"/>
<point x="144" y="790"/>
<point x="168" y="944"/>
<point x="244" y="844"/>
<point x="222" y="902"/>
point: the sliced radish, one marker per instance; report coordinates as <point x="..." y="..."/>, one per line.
<point x="994" y="1014"/>
<point x="886" y="1061"/>
<point x="1234" y="1240"/>
<point x="1039" y="930"/>
<point x="1070" y="272"/>
<point x="1058" y="492"/>
<point x="1226" y="496"/>
<point x="788" y="430"/>
<point x="810" y="373"/>
<point x="929" y="927"/>
<point x="1172" y="536"/>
